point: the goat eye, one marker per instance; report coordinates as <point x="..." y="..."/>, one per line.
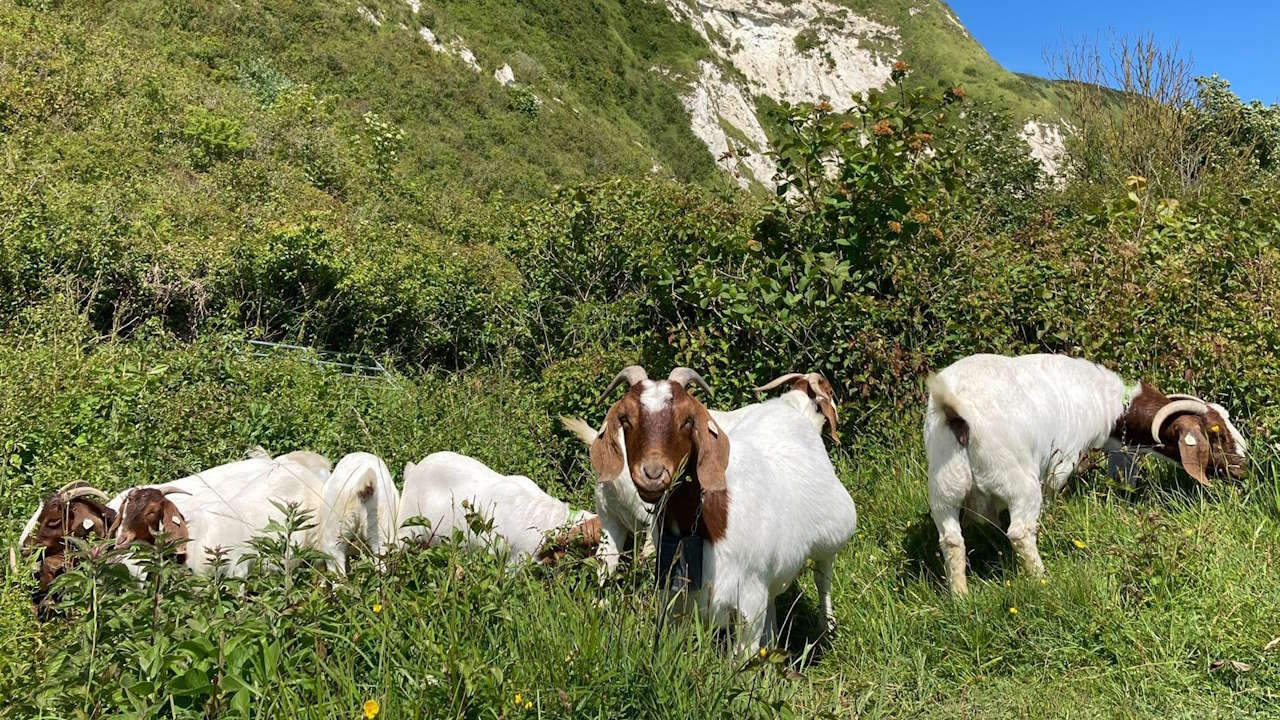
<point x="624" y="421"/>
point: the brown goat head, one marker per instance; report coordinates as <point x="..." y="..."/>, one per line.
<point x="583" y="535"/>
<point x="73" y="511"/>
<point x="667" y="435"/>
<point x="61" y="516"/>
<point x="148" y="512"/>
<point x="1187" y="430"/>
<point x="816" y="386"/>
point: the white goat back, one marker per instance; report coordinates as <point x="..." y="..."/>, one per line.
<point x="1035" y="413"/>
<point x="786" y="505"/>
<point x="520" y="511"/>
<point x="229" y="520"/>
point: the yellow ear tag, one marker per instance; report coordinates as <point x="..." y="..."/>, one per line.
<point x="1215" y="429"/>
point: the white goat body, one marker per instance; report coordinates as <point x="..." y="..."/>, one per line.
<point x="1004" y="432"/>
<point x="227" y="506"/>
<point x="786" y="506"/>
<point x="796" y="399"/>
<point x="521" y="513"/>
<point x="360" y="501"/>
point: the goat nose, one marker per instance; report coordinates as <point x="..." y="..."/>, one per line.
<point x="653" y="471"/>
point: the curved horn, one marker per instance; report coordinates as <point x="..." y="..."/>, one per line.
<point x="1183" y="396"/>
<point x="776" y="382"/>
<point x="1173" y="408"/>
<point x="173" y="491"/>
<point x="631" y="373"/>
<point x="30" y="526"/>
<point x="83" y="491"/>
<point x="684" y="375"/>
<point x="72" y="485"/>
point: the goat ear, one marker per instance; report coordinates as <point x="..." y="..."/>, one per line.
<point x="87" y="516"/>
<point x="175" y="526"/>
<point x="829" y="410"/>
<point x="606" y="455"/>
<point x="1193" y="448"/>
<point x="712" y="445"/>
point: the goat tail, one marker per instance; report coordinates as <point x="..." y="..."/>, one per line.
<point x="359" y="494"/>
<point x="579" y="428"/>
<point x="947" y="402"/>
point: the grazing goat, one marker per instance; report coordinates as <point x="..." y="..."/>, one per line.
<point x="1001" y="431"/>
<point x="625" y="518"/>
<point x="457" y="493"/>
<point x="226" y="506"/>
<point x="360" y="503"/>
<point x="74" y="510"/>
<point x="759" y="507"/>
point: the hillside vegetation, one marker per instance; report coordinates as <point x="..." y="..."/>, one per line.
<point x="179" y="179"/>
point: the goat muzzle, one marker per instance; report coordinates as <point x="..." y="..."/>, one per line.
<point x="652" y="480"/>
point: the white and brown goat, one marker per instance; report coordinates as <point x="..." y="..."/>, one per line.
<point x="762" y="504"/>
<point x="625" y="518"/>
<point x="1001" y="433"/>
<point x="227" y="506"/>
<point x="506" y="514"/>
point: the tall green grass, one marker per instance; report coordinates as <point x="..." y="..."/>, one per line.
<point x="1153" y="591"/>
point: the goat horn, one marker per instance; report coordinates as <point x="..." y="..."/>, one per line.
<point x="776" y="382"/>
<point x="71" y="486"/>
<point x="631" y="373"/>
<point x="684" y="375"/>
<point x="72" y="494"/>
<point x="1183" y="396"/>
<point x="1173" y="408"/>
<point x="173" y="491"/>
<point x="30" y="526"/>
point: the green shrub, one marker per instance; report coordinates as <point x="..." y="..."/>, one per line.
<point x="213" y="138"/>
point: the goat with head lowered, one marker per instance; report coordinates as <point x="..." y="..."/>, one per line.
<point x="148" y="512"/>
<point x="74" y="510"/>
<point x="1002" y="433"/>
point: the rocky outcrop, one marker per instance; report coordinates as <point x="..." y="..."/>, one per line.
<point x="788" y="50"/>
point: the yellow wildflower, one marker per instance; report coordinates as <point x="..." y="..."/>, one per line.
<point x="377" y="607"/>
<point x="764" y="652"/>
<point x="519" y="699"/>
<point x="371" y="709"/>
<point x="1078" y="543"/>
<point x="528" y="704"/>
<point x="1043" y="581"/>
<point x="1013" y="611"/>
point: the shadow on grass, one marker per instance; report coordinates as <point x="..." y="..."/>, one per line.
<point x="989" y="554"/>
<point x="803" y="628"/>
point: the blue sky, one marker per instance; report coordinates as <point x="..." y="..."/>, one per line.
<point x="1238" y="39"/>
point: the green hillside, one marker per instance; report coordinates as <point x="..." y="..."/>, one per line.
<point x="297" y="78"/>
<point x="942" y="51"/>
<point x="450" y="263"/>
